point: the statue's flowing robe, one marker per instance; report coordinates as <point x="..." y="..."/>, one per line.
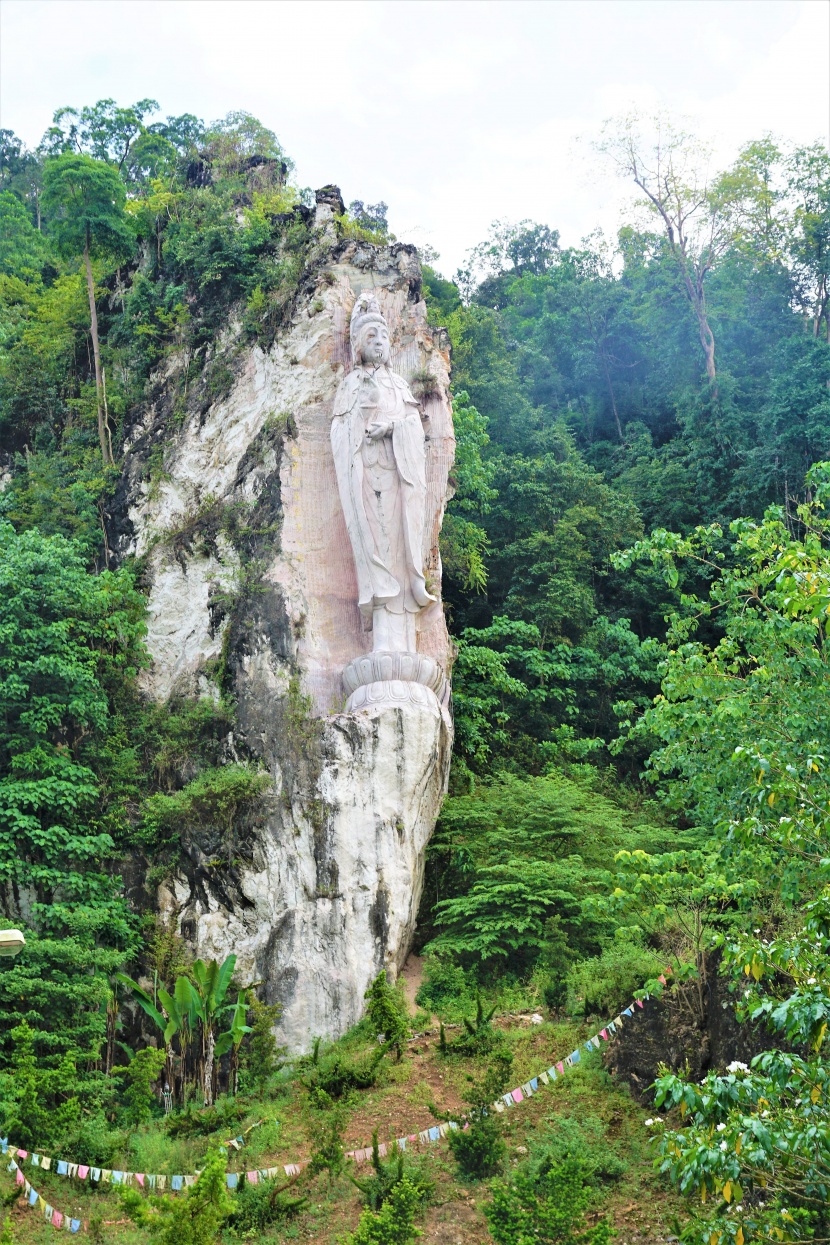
<point x="353" y="410"/>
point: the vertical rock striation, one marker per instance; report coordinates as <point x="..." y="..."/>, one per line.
<point x="323" y="894"/>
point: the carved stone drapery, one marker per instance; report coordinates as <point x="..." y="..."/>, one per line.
<point x="379" y="450"/>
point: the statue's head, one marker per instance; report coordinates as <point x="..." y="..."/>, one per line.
<point x="369" y="332"/>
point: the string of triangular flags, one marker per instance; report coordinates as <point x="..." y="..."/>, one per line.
<point x="158" y="1183"/>
<point x="33" y="1198"/>
<point x="517" y="1095"/>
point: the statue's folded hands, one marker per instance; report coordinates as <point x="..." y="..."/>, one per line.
<point x="378" y="430"/>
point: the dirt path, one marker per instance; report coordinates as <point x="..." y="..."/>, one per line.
<point x="411" y="976"/>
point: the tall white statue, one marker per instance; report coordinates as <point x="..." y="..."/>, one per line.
<point x="377" y="439"/>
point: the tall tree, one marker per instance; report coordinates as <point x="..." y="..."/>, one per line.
<point x="103" y="130"/>
<point x="85" y="199"/>
<point x="669" y="168"/>
<point x="809" y="186"/>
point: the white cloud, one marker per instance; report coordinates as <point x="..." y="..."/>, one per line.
<point x="455" y="113"/>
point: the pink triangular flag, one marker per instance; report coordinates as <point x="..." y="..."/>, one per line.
<point x="604" y="1034"/>
<point x="139" y="1177"/>
<point x="639" y="1002"/>
<point x="560" y="1068"/>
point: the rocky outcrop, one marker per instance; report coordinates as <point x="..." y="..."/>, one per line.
<point x="667" y="1032"/>
<point x="235" y="512"/>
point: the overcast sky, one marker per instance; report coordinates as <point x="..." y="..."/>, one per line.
<point x="455" y="112"/>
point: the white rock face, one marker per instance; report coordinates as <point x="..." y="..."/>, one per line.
<point x="330" y="904"/>
<point x="326" y="892"/>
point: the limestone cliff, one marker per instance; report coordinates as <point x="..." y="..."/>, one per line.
<point x="324" y="892"/>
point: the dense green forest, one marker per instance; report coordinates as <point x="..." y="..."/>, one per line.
<point x="637" y="581"/>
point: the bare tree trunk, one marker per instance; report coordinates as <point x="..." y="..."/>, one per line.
<point x="707" y="341"/>
<point x="611" y="395"/>
<point x="695" y="295"/>
<point x="106" y="411"/>
<point x="93" y="318"/>
<point x="208" y="1068"/>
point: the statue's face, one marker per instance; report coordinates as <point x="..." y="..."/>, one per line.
<point x="374" y="345"/>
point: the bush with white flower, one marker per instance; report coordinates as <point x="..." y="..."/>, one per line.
<point x="744" y="730"/>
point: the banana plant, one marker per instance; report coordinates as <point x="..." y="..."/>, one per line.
<point x="231" y="1039"/>
<point x="207" y="992"/>
<point x="171" y="1021"/>
<point x="197" y="1002"/>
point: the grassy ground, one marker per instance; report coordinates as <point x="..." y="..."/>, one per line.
<point x="586" y="1111"/>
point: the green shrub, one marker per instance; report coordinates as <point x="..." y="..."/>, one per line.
<point x="605" y="983"/>
<point x="394" y="1224"/>
<point x="194" y="1219"/>
<point x="326" y="1128"/>
<point x="445" y="987"/>
<point x="584" y="1139"/>
<point x="330" y="1075"/>
<point x="386" y="1013"/>
<point x="39" y="1107"/>
<point x="96" y="1141"/>
<point x="479" y="1037"/>
<point x="140" y="1074"/>
<point x="258" y="1206"/>
<point x="385" y="1178"/>
<point x="479" y="1148"/>
<point x="225" y="1115"/>
<point x="546" y="1207"/>
<point x="260" y="1056"/>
